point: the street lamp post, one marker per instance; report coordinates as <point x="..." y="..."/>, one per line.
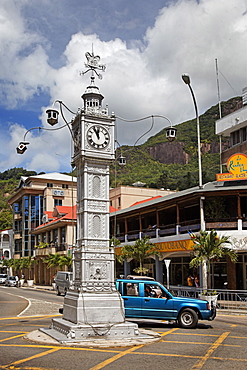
<point x="186" y="79"/>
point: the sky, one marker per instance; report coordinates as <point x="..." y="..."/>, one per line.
<point x="146" y="47"/>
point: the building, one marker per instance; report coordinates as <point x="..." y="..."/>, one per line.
<point x="124" y="196"/>
<point x="234" y="126"/>
<point x="34" y="198"/>
<point x="6" y="242"/>
<point x="56" y="235"/>
<point x="221" y="206"/>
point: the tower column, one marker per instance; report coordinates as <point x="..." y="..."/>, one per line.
<point x="93" y="307"/>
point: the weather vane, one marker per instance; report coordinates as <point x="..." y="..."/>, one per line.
<point x="93" y="65"/>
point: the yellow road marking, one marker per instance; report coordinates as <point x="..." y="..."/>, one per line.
<point x="13" y="331"/>
<point x="101" y="365"/>
<point x="180" y="342"/>
<point x="59" y="347"/>
<point x="116" y="357"/>
<point x="133" y="351"/>
<point x="27" y="368"/>
<point x="198" y="334"/>
<point x="16" y="336"/>
<point x="27" y="317"/>
<point x="169" y="332"/>
<point x="212" y="348"/>
<point x="123" y="353"/>
<point x="209" y="335"/>
<point x="31" y="358"/>
<point x="229" y="359"/>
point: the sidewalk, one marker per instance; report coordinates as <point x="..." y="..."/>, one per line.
<point x="41" y="287"/>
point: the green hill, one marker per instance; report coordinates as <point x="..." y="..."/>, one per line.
<point x="159" y="163"/>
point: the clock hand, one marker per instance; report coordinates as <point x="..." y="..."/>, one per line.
<point x="96" y="130"/>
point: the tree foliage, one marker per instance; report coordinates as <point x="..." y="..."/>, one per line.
<point x="57" y="260"/>
<point x="141" y="250"/>
<point x="208" y="247"/>
<point x="20" y="264"/>
<point x="15" y="173"/>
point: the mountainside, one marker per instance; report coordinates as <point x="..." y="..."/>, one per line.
<point x="174" y="165"/>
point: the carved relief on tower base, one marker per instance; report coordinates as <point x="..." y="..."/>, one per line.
<point x="93" y="270"/>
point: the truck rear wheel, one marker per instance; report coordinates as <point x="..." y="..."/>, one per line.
<point x="188" y="318"/>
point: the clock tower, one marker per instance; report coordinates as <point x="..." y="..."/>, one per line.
<point x="93" y="307"/>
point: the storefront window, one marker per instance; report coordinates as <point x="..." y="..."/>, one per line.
<point x="218" y="274"/>
<point x="179" y="270"/>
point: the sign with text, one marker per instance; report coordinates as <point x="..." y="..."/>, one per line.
<point x="171" y="246"/>
<point x="237" y="167"/>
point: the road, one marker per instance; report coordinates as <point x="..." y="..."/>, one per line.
<point x="220" y="344"/>
<point x="35" y="302"/>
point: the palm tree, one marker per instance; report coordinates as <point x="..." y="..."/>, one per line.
<point x="16" y="264"/>
<point x="65" y="261"/>
<point x="57" y="260"/>
<point x="208" y="246"/>
<point x="141" y="250"/>
<point x="52" y="260"/>
<point x="26" y="263"/>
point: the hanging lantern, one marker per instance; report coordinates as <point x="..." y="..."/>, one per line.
<point x="122" y="160"/>
<point x="22" y="147"/>
<point x="52" y="116"/>
<point x="171" y="133"/>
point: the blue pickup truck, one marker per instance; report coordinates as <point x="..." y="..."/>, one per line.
<point x="149" y="299"/>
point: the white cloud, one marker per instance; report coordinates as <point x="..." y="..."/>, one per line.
<point x="187" y="37"/>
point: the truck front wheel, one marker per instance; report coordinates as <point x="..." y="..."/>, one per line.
<point x="188" y="318"/>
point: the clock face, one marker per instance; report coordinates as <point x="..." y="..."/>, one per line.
<point x="98" y="137"/>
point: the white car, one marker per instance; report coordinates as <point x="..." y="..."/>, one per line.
<point x="11" y="281"/>
<point x="3" y="278"/>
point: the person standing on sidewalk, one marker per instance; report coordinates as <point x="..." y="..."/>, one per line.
<point x="17" y="280"/>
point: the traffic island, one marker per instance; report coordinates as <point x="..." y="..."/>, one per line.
<point x="144" y="337"/>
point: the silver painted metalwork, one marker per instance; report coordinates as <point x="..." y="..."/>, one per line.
<point x="93" y="307"/>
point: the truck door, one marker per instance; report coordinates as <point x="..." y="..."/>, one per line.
<point x="132" y="300"/>
<point x="156" y="303"/>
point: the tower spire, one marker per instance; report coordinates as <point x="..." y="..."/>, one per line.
<point x="92" y="97"/>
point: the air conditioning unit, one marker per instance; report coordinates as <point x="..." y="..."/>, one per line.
<point x="45" y="219"/>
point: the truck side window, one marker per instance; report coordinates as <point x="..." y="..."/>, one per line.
<point x="131" y="289"/>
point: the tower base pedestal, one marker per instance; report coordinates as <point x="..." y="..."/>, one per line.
<point x="92" y="316"/>
<point x="66" y="332"/>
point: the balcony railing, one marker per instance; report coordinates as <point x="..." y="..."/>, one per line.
<point x="51" y="249"/>
<point x="223" y="223"/>
<point x="182" y="228"/>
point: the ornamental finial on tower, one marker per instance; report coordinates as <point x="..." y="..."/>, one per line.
<point x="93" y="65"/>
